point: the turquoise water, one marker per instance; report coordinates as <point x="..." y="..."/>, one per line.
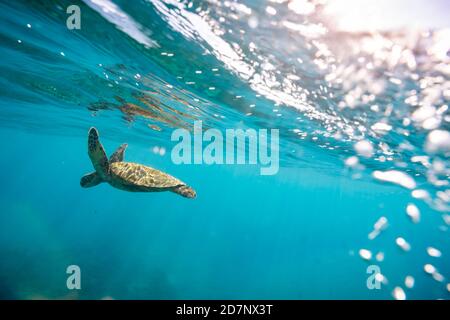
<point x="137" y="70"/>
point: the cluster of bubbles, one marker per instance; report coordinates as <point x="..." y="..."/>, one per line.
<point x="386" y="93"/>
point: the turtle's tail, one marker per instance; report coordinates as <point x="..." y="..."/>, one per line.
<point x="185" y="191"/>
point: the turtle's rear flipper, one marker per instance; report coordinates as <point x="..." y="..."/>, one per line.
<point x="90" y="180"/>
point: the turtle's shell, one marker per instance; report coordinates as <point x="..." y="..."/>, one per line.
<point x="135" y="174"/>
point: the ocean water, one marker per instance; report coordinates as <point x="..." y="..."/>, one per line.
<point x="363" y="120"/>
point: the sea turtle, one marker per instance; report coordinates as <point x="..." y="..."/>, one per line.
<point x="127" y="175"/>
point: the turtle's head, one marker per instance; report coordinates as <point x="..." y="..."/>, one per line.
<point x="185" y="191"/>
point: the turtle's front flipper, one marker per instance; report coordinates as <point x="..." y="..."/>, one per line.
<point x="119" y="154"/>
<point x="90" y="180"/>
<point x="97" y="154"/>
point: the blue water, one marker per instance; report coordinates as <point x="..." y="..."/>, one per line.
<point x="137" y="70"/>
